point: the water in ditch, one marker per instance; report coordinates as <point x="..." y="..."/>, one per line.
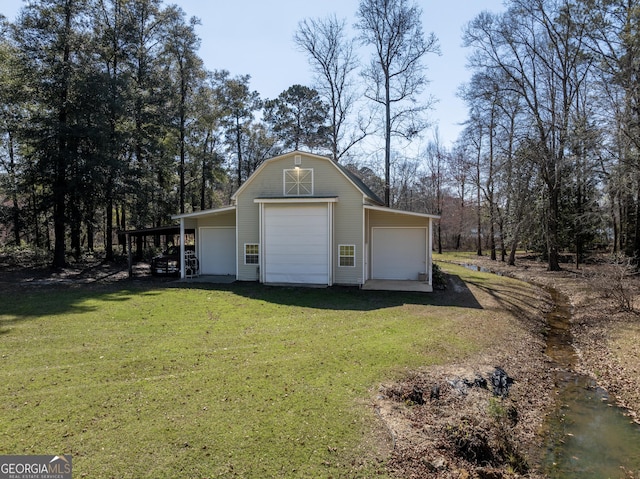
<point x="588" y="436"/>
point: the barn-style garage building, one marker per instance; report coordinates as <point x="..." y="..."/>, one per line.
<point x="304" y="219"/>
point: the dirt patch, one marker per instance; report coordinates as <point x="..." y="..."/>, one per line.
<point x="462" y="429"/>
<point x="29" y="273"/>
<point x="447" y="422"/>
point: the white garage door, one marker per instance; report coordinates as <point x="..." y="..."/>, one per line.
<point x="217" y="252"/>
<point x="398" y="253"/>
<point x="296" y="245"/>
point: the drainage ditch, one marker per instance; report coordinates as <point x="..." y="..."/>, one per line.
<point x="588" y="436"/>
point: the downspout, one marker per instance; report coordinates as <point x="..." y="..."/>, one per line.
<point x="330" y="279"/>
<point x="261" y="257"/>
<point x="364" y="252"/>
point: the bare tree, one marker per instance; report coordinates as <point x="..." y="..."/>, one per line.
<point x="615" y="40"/>
<point x="538" y="46"/>
<point x="332" y="58"/>
<point x="396" y="75"/>
<point x="436" y="156"/>
<point x="459" y="171"/>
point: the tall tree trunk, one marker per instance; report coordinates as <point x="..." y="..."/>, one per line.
<point x="636" y="239"/>
<point x="14" y="191"/>
<point x="479" y="232"/>
<point x="492" y="236"/>
<point x="36" y="223"/>
<point x="109" y="222"/>
<point x="91" y="231"/>
<point x="60" y="176"/>
<point x="387" y="143"/>
<point x="514" y="245"/>
<point x="239" y="150"/>
<point x="183" y="121"/>
<point x="203" y="184"/>
<point x="552" y="231"/>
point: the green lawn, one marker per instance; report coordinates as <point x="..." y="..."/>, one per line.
<point x="149" y="381"/>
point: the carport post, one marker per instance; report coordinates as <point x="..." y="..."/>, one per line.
<point x="430" y="252"/>
<point x="129" y="256"/>
<point x="182" y="261"/>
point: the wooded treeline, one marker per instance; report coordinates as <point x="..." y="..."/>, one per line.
<point x="554" y="117"/>
<point x="109" y="120"/>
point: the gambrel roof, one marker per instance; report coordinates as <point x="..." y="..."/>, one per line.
<point x="352" y="177"/>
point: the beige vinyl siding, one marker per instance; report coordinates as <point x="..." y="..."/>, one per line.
<point x="220" y="220"/>
<point x="248" y="222"/>
<point x="348" y="230"/>
<point x="190" y="223"/>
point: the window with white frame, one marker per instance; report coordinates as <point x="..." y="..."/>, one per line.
<point x="347" y="255"/>
<point x="251" y="253"/>
<point x="298" y="182"/>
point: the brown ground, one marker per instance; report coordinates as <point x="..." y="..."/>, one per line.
<point x="465" y="432"/>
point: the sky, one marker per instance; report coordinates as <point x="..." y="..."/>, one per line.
<point x="255" y="37"/>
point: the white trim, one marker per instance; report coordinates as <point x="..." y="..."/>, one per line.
<point x="365" y="245"/>
<point x="261" y="237"/>
<point x="429" y="251"/>
<point x="297" y="199"/>
<point x="236" y="252"/>
<point x="182" y="262"/>
<point x="384" y="209"/>
<point x="330" y="243"/>
<point x="212" y="212"/>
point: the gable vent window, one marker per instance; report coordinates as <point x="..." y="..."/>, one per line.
<point x="298" y="182"/>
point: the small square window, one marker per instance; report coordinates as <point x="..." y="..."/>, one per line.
<point x="251" y="254"/>
<point x="298" y="182"/>
<point x="347" y="255"/>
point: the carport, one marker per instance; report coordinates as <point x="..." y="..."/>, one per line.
<point x="170" y="233"/>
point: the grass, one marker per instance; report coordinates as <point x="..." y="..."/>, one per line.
<point x="246" y="381"/>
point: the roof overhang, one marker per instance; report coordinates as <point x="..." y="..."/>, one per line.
<point x="384" y="209"/>
<point x="298" y="199"/>
<point x="161" y="230"/>
<point x="199" y="214"/>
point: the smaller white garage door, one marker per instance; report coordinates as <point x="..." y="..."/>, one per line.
<point x="398" y="253"/>
<point x="217" y="251"/>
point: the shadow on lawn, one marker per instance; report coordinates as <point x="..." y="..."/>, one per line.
<point x="79" y="299"/>
<point x="348" y="298"/>
<point x="38" y="303"/>
<point x="515" y="297"/>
